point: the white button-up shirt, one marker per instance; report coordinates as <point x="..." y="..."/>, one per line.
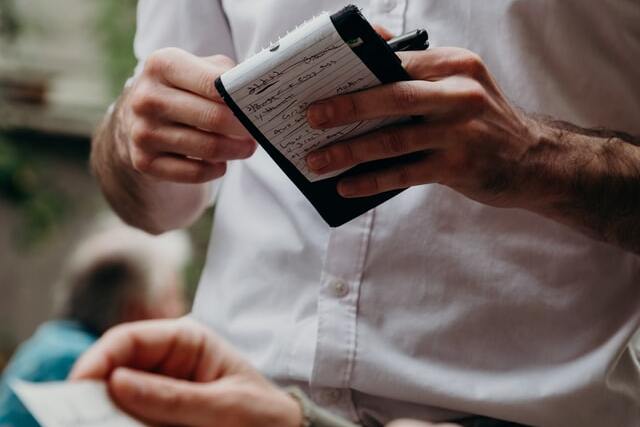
<point x="431" y="305"/>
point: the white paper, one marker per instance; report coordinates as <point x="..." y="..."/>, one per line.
<point x="72" y="404"/>
<point x="275" y="87"/>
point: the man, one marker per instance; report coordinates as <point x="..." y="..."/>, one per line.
<point x="509" y="289"/>
<point x="117" y="275"/>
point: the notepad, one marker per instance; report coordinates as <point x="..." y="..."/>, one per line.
<point x="72" y="404"/>
<point x="275" y="87"/>
<point x="330" y="55"/>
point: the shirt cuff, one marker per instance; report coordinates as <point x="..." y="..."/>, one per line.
<point x="313" y="415"/>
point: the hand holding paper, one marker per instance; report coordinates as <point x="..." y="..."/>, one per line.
<point x="177" y="372"/>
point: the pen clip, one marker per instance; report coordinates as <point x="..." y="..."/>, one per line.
<point x="413" y="40"/>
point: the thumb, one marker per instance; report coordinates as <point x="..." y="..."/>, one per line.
<point x="160" y="399"/>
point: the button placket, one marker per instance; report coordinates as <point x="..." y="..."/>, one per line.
<point x="337" y="311"/>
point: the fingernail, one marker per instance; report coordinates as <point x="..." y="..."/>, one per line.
<point x="320" y="114"/>
<point x="346" y="188"/>
<point x="318" y="160"/>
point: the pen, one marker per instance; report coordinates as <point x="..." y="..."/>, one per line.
<point x="414" y="40"/>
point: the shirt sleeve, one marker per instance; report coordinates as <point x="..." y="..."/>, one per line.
<point x="197" y="26"/>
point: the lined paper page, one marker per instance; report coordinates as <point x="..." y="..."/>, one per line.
<point x="275" y="87"/>
<point x="72" y="404"/>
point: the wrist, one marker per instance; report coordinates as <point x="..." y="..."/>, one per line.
<point x="546" y="168"/>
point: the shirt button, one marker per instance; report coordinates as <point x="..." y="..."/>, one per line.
<point x="385" y="6"/>
<point x="339" y="289"/>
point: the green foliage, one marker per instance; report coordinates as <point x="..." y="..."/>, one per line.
<point x="9" y="24"/>
<point x="23" y="185"/>
<point x="116" y="29"/>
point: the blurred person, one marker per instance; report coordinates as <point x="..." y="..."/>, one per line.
<point x="117" y="275"/>
<point x="505" y="287"/>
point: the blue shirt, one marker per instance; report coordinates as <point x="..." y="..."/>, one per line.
<point x="48" y="355"/>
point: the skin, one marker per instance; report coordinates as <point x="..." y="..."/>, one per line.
<point x="169" y="134"/>
<point x="177" y="372"/>
<point x="167" y="137"/>
<point x="470" y="138"/>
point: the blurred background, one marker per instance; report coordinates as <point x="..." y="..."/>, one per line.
<point x="61" y="64"/>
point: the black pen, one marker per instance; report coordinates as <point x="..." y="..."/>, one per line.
<point x="414" y="40"/>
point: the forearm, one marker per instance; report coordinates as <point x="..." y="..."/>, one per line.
<point x="587" y="179"/>
<point x="141" y="201"/>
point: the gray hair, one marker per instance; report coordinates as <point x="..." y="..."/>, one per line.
<point x="114" y="267"/>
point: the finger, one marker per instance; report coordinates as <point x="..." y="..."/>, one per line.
<point x="182" y="170"/>
<point x="161" y="399"/>
<point x="383" y="32"/>
<point x="181" y="364"/>
<point x="441" y="62"/>
<point x="191" y="142"/>
<point x="389" y="142"/>
<point x="140" y="345"/>
<point x="400" y="176"/>
<point x="456" y="96"/>
<point x="182" y="107"/>
<point x="186" y="71"/>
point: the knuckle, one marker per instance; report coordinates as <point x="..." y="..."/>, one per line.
<point x="207" y="83"/>
<point x="392" y="142"/>
<point x="141" y="134"/>
<point x="141" y="161"/>
<point x="212" y="116"/>
<point x="404" y="95"/>
<point x="345" y="154"/>
<point x="472" y="64"/>
<point x="160" y="61"/>
<point x="116" y="333"/>
<point x="144" y="103"/>
<point x="223" y="61"/>
<point x="475" y="96"/>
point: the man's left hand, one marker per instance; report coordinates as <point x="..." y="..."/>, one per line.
<point x="469" y="137"/>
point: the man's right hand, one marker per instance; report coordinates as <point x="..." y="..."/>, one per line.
<point x="173" y="125"/>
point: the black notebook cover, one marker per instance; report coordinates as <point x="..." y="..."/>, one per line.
<point x="376" y="54"/>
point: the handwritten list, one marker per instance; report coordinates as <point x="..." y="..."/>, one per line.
<point x="275" y="87"/>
